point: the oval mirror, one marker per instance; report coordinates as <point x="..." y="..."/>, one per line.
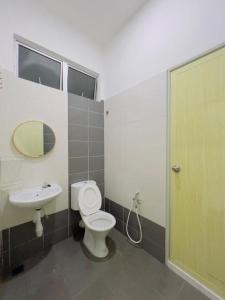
<point x="33" y="138"/>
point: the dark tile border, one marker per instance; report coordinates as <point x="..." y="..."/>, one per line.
<point x="20" y="242"/>
<point x="153" y="234"/>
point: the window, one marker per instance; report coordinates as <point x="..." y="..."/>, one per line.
<point x="81" y="84"/>
<point x="37" y="67"/>
<point x="47" y="68"/>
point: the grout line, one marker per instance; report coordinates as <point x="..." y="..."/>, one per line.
<point x="85" y="110"/>
<point x="71" y="157"/>
<point x="88" y="139"/>
<point x="9" y="236"/>
<point x="91" y="140"/>
<point x="83" y="125"/>
<point x="77" y="140"/>
<point x="84" y="172"/>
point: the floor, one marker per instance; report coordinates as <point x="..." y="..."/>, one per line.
<point x="65" y="273"/>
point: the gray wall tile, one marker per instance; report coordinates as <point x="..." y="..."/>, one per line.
<point x="78" y="164"/>
<point x="119" y="225"/>
<point x="5" y="267"/>
<point x="5" y="239"/>
<point x="96" y="119"/>
<point x="96" y="163"/>
<point x="98" y="176"/>
<point x="102" y="190"/>
<point x="55" y="237"/>
<point x="86" y="139"/>
<point x="96" y="148"/>
<point x="96" y="134"/>
<point x="116" y="210"/>
<point x="133" y="222"/>
<point x="55" y="221"/>
<point x="78" y="101"/>
<point x="22" y="234"/>
<point x="153" y="234"/>
<point x="154" y="249"/>
<point x="96" y="106"/>
<point x="78" y="116"/>
<point x="78" y="148"/>
<point x="78" y="132"/>
<point x="76" y="177"/>
<point x="107" y="208"/>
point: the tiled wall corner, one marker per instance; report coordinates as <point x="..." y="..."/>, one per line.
<point x="153" y="234"/>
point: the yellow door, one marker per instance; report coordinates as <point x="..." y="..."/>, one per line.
<point x="197" y="205"/>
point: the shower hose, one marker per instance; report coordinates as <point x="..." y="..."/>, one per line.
<point x="135" y="205"/>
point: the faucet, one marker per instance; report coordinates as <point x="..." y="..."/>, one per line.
<point x="45" y="185"/>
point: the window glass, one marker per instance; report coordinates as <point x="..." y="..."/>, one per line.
<point x="81" y="84"/>
<point x="38" y="68"/>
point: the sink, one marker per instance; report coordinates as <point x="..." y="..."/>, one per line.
<point x="35" y="197"/>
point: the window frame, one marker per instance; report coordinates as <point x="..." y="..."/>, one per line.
<point x="65" y="63"/>
<point x="86" y="73"/>
<point x="61" y="84"/>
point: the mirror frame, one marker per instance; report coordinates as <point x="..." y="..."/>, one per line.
<point x="26" y="155"/>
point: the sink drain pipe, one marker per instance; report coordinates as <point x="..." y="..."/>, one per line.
<point x="37" y="222"/>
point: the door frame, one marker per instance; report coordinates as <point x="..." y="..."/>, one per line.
<point x="194" y="282"/>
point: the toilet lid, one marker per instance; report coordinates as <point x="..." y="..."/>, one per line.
<point x="89" y="199"/>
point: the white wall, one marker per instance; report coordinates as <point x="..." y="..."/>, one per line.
<point x="135" y="147"/>
<point x="31" y="20"/>
<point x="164" y="33"/>
<point x="20" y="101"/>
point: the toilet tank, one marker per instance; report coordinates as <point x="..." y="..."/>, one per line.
<point x="75" y="188"/>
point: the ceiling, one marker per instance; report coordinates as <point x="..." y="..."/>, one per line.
<point x="99" y="19"/>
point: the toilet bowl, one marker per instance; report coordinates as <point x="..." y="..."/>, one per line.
<point x="86" y="197"/>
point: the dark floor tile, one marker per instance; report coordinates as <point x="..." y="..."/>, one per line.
<point x="53" y="287"/>
<point x="64" y="272"/>
<point x="101" y="289"/>
<point x="167" y="283"/>
<point x="14" y="288"/>
<point x="190" y="293"/>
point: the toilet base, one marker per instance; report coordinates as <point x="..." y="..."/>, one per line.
<point x="95" y="242"/>
<point x="110" y="245"/>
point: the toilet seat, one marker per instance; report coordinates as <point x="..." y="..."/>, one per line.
<point x="89" y="199"/>
<point x="100" y="221"/>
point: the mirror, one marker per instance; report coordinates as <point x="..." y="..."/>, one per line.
<point x="33" y="138"/>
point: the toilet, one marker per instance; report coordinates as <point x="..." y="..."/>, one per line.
<point x="86" y="198"/>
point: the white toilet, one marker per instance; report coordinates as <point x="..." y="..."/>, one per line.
<point x="86" y="197"/>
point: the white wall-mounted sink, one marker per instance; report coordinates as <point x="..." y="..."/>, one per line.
<point x="35" y="197"/>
